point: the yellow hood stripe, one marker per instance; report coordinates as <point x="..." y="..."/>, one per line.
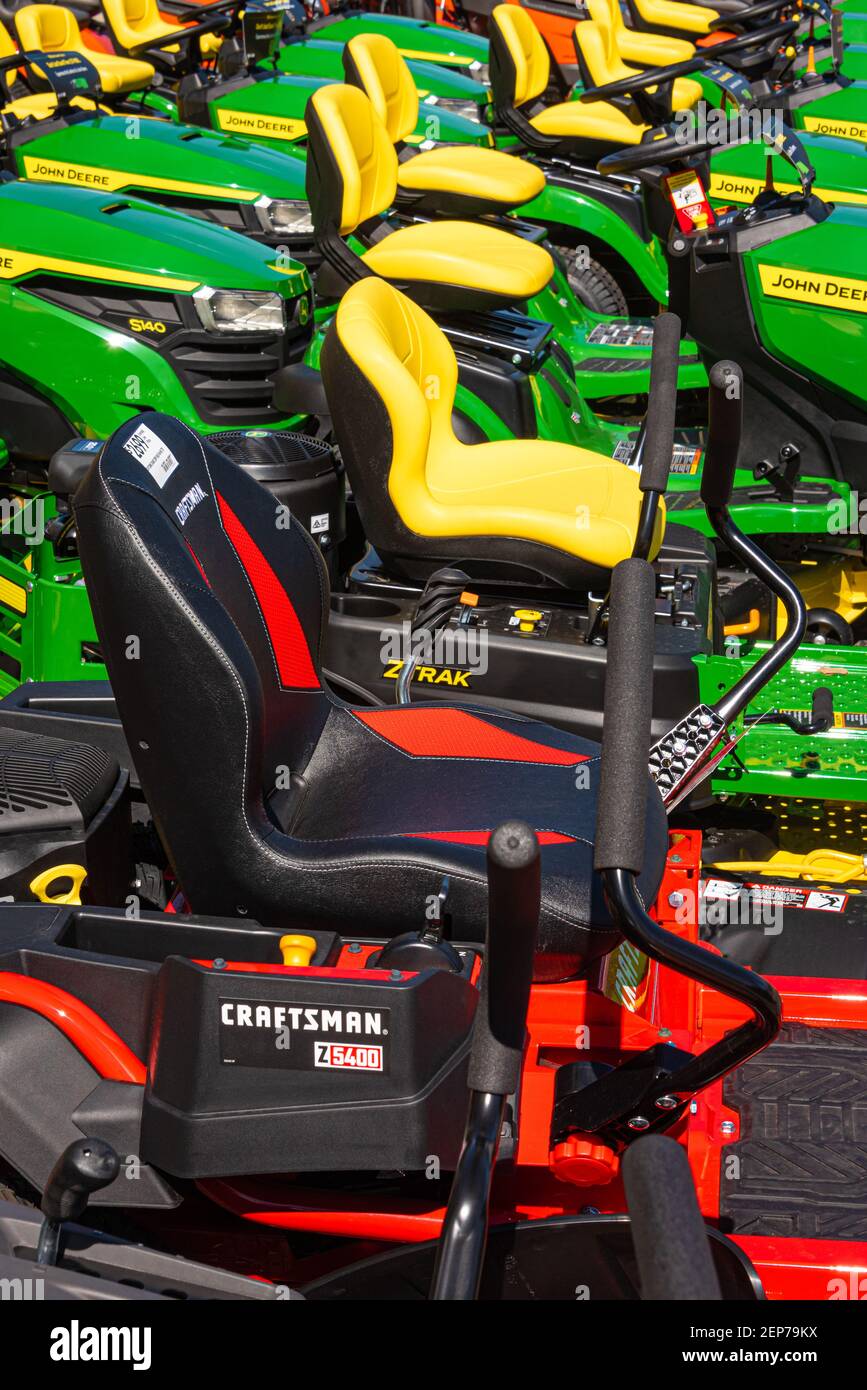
<point x="14" y="264"/>
<point x="115" y="180"/>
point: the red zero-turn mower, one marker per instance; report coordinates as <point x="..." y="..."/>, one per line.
<point x="372" y="1018"/>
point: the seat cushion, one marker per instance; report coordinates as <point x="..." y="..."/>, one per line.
<point x="652" y="50"/>
<point x="466" y="170"/>
<point x="463" y="254"/>
<point x="557" y="495"/>
<point x="678" y="15"/>
<point x="584" y="120"/>
<point x="119" y="74"/>
<point x="430" y="781"/>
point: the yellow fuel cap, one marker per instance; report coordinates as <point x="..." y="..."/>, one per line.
<point x="531" y="615"/>
<point x="42" y="882"/>
<point x="297" y="950"/>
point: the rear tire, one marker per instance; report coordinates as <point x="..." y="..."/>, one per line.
<point x="593" y="285"/>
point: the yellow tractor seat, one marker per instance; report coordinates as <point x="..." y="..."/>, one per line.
<point x="42" y="105"/>
<point x="133" y="23"/>
<point x="423" y="496"/>
<point x="464" y="180"/>
<point x="601" y="63"/>
<point x="458" y="174"/>
<point x="352" y="171"/>
<point x="590" y="121"/>
<point x="635" y="45"/>
<point x="520" y="69"/>
<point x="463" y="253"/>
<point x="677" y="15"/>
<point x="54" y="29"/>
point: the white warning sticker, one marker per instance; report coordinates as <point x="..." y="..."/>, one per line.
<point x="783" y="894"/>
<point x="152" y="454"/>
<point x="820" y="901"/>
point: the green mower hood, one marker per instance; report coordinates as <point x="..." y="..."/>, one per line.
<point x="416" y="38"/>
<point x="738" y="173"/>
<point x="324" y="58"/>
<point x="272" y="108"/>
<point x="220" y="176"/>
<point x="808" y="292"/>
<point x="76" y="231"/>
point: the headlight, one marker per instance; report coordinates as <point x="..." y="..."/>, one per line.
<point x="285" y="216"/>
<point x="457" y="106"/>
<point x="239" y="311"/>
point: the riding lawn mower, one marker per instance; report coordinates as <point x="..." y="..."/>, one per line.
<point x="188" y="1062"/>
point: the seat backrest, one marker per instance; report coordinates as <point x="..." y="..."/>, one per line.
<point x="48" y="28"/>
<point x="210" y="602"/>
<point x="606" y="13"/>
<point x="373" y="63"/>
<point x="518" y="47"/>
<point x="390" y="376"/>
<point x="599" y="57"/>
<point x="134" y="22"/>
<point x="351" y="162"/>
<point x="7" y="79"/>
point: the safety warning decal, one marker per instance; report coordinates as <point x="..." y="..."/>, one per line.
<point x="622" y="334"/>
<point x="782" y="894"/>
<point x="685" y="458"/>
<point x="843" y="719"/>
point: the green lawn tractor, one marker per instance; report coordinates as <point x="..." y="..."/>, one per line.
<point x="784" y="74"/>
<point x="69" y="139"/>
<point x="66" y="136"/>
<point x="222" y="69"/>
<point x="110" y="306"/>
<point x="455" y="49"/>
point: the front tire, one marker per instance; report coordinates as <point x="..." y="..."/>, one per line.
<point x="593" y="285"/>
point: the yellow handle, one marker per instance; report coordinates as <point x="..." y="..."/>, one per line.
<point x="297" y="950"/>
<point x="43" y="881"/>
<point x="742" y="629"/>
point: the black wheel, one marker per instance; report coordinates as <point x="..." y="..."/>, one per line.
<point x="824" y="625"/>
<point x="593" y="285"/>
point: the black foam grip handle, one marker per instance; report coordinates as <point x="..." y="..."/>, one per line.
<point x="823" y="704"/>
<point x="514" y="895"/>
<point x="725" y="413"/>
<point x="671" y="1243"/>
<point x="622" y="805"/>
<point x="662" y="406"/>
<point x="84" y="1167"/>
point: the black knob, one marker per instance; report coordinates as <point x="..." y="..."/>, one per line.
<point x="83" y="1168"/>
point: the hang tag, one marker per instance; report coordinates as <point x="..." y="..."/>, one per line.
<point x="687" y="196"/>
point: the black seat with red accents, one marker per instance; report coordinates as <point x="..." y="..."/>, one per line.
<point x="273" y="798"/>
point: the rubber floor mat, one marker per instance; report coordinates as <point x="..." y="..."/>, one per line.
<point x="799" y="1167"/>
